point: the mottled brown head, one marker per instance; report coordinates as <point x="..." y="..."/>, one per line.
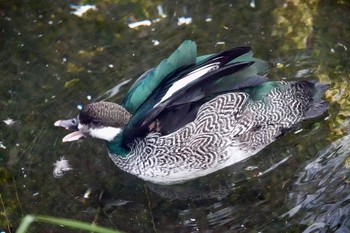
<point x="104" y="113"/>
<point x="104" y="120"/>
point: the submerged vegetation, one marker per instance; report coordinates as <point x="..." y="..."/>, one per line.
<point x="63" y="223"/>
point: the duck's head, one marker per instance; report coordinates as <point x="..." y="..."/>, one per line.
<point x="103" y="120"/>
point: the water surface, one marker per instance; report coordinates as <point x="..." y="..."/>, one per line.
<point x="54" y="59"/>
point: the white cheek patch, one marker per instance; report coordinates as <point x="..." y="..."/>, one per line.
<point x="105" y="133"/>
<point x="196" y="74"/>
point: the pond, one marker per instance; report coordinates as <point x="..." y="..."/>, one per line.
<point x="57" y="56"/>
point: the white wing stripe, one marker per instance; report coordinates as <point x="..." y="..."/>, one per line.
<point x="194" y="75"/>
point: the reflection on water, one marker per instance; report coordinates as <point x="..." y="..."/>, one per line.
<point x="320" y="197"/>
<point x="52" y="61"/>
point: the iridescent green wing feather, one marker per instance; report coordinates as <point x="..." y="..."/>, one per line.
<point x="184" y="55"/>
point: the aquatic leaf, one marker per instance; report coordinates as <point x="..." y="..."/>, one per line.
<point x="71" y="83"/>
<point x="72" y="68"/>
<point x="28" y="219"/>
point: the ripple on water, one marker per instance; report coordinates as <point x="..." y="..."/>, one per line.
<point x="321" y="192"/>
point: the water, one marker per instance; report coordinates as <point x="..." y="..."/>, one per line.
<point x="53" y="61"/>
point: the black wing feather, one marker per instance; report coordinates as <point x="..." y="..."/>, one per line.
<point x="182" y="106"/>
<point x="148" y="112"/>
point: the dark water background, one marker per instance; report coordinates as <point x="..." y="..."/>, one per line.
<point x="53" y="61"/>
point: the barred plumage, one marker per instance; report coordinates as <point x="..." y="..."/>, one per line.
<point x="229" y="122"/>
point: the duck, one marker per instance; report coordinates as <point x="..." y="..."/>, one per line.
<point x="194" y="115"/>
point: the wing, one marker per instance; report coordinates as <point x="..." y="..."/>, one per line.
<point x="176" y="100"/>
<point x="184" y="55"/>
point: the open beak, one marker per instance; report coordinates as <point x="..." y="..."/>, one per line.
<point x="72" y="125"/>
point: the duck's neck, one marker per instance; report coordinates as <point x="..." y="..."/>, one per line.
<point x="117" y="147"/>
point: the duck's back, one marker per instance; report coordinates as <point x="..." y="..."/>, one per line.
<point x="252" y="118"/>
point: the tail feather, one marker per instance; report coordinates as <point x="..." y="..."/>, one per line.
<point x="260" y="65"/>
<point x="318" y="106"/>
<point x="316" y="109"/>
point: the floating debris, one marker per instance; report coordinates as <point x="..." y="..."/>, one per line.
<point x="155" y="21"/>
<point x="62" y="165"/>
<point x="251" y="168"/>
<point x="155" y="42"/>
<point x="2" y="146"/>
<point x="298" y="131"/>
<point x="343" y="46"/>
<point x="82" y="9"/>
<point x="140" y="23"/>
<point x="9" y="122"/>
<point x="161" y="11"/>
<point x="87" y="193"/>
<point x="279" y="65"/>
<point x="252" y="4"/>
<point x="208" y="19"/>
<point x="220" y="43"/>
<point x="184" y="20"/>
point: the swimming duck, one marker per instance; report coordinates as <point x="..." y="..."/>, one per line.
<point x="191" y="116"/>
